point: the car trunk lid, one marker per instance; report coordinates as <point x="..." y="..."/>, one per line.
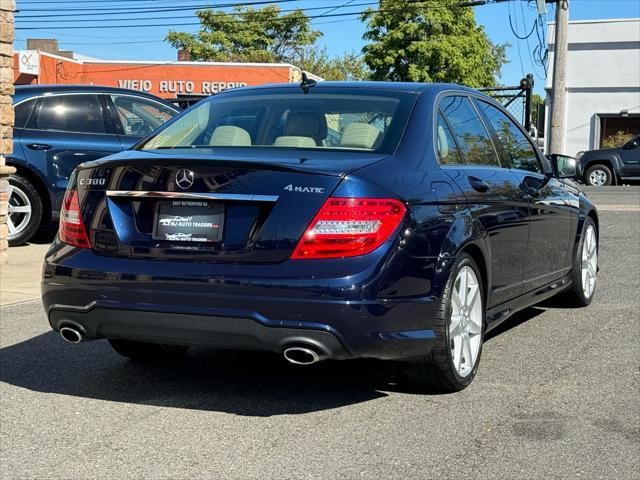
<point x="235" y="207"/>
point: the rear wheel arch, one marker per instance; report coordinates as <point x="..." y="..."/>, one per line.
<point x="42" y="190"/>
<point x="594" y="216"/>
<point x="472" y="243"/>
<point x="577" y="295"/>
<point x="586" y="211"/>
<point x="479" y="257"/>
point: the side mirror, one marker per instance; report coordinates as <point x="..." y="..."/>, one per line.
<point x="630" y="145"/>
<point x="563" y="166"/>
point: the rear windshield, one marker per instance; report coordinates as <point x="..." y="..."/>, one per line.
<point x="371" y="122"/>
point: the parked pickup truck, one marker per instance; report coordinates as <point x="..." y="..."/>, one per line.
<point x="611" y="165"/>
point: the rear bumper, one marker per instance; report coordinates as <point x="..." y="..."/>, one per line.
<point x="180" y="329"/>
<point x="257" y="307"/>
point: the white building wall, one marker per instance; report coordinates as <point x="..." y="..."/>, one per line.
<point x="603" y="77"/>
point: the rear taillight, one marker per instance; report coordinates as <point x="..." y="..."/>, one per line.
<point x="347" y="227"/>
<point x="71" y="226"/>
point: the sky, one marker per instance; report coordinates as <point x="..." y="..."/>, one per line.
<point x="340" y="33"/>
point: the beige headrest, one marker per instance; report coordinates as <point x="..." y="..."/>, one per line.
<point x="443" y="144"/>
<point x="294" y="141"/>
<point x="359" y="135"/>
<point x="230" y="136"/>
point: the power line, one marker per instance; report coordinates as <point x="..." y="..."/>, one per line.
<point x="519" y="37"/>
<point x="92" y="1"/>
<point x="529" y="51"/>
<point x="333" y="9"/>
<point x="139" y="25"/>
<point x="151" y="9"/>
<point x="173" y="17"/>
<point x="538" y="55"/>
<point x="517" y="41"/>
<point x="145" y="40"/>
<point x="148" y="9"/>
<point x="173" y="24"/>
<point x="135" y="42"/>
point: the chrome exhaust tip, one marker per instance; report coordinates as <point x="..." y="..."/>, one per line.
<point x="71" y="334"/>
<point x="301" y="355"/>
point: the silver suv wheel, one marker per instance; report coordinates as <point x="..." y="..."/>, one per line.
<point x="598" y="177"/>
<point x="19" y="211"/>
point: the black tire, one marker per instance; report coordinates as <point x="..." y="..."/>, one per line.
<point x="575" y="296"/>
<point x="24" y="188"/>
<point x="605" y="171"/>
<point x="435" y="371"/>
<point x="147" y="352"/>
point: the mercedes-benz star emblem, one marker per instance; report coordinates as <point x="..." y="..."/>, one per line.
<point x="184" y="178"/>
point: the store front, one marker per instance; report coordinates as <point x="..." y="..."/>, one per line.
<point x="164" y="79"/>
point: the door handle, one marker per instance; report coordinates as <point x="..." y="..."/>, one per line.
<point x="39" y="146"/>
<point x="478" y="184"/>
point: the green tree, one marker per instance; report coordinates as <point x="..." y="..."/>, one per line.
<point x="349" y="66"/>
<point x="537" y="104"/>
<point x="247" y="35"/>
<point x="430" y="41"/>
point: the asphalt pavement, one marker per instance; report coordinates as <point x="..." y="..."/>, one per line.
<point x="556" y="396"/>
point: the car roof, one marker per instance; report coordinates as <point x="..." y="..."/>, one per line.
<point x="26" y="91"/>
<point x="414" y="87"/>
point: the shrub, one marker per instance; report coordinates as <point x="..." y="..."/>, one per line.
<point x="616" y="140"/>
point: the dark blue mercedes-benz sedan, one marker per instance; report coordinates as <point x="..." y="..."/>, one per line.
<point x="324" y="221"/>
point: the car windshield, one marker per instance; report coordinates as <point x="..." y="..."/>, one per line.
<point x="347" y="119"/>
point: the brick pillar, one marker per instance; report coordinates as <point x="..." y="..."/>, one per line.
<point x="7" y="8"/>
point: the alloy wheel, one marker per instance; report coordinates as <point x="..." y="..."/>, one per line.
<point x="19" y="211"/>
<point x="465" y="327"/>
<point x="598" y="177"/>
<point x="589" y="261"/>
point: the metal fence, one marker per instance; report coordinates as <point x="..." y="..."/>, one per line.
<point x="516" y="99"/>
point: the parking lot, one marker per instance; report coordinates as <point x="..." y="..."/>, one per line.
<point x="557" y="396"/>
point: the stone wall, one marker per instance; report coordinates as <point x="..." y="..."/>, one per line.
<point x="7" y="8"/>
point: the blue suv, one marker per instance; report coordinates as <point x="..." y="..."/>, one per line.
<point x="58" y="127"/>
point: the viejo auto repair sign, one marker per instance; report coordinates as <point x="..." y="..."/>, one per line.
<point x="180" y="86"/>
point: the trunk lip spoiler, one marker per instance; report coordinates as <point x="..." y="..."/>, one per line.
<point x="192" y="195"/>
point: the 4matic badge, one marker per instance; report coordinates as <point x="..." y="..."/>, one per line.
<point x="295" y="188"/>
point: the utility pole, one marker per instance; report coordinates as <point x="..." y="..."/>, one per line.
<point x="558" y="119"/>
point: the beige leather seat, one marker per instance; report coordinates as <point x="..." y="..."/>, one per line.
<point x="360" y="135"/>
<point x="230" y="136"/>
<point x="295" y="141"/>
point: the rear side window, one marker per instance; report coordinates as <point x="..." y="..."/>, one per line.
<point x="71" y="113"/>
<point x="472" y="136"/>
<point x="22" y="112"/>
<point x="519" y="151"/>
<point x="448" y="152"/>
